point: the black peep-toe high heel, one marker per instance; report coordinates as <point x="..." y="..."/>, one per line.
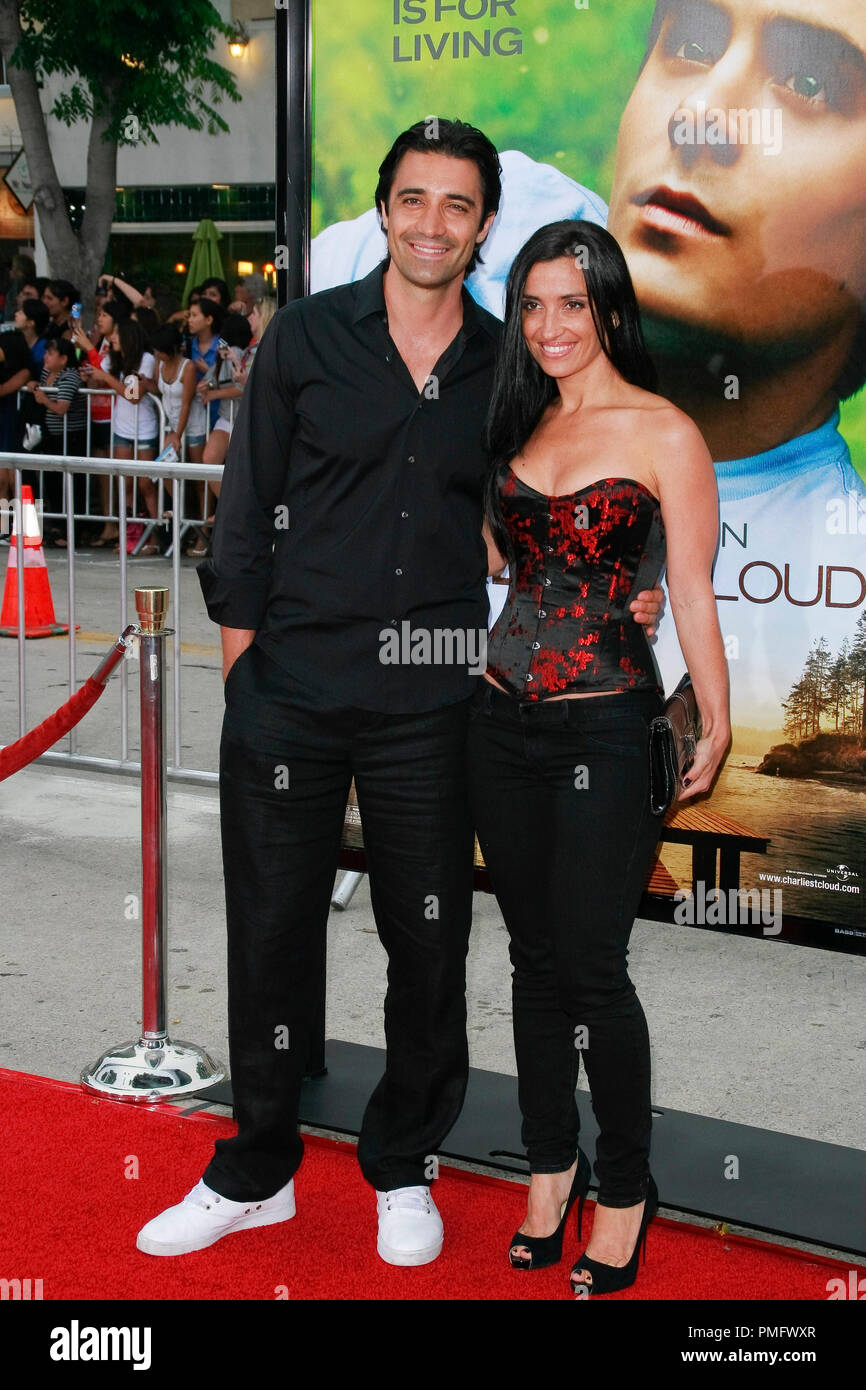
<point x="612" y="1278"/>
<point x="547" y="1250"/>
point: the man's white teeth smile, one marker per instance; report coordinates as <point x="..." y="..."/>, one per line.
<point x="428" y="250"/>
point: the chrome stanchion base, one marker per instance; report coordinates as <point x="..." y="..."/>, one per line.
<point x="150" y="1069"/>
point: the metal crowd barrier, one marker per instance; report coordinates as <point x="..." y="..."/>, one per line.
<point x="89" y="513"/>
<point x="174" y="474"/>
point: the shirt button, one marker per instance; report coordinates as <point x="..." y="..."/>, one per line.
<point x="542" y="613"/>
<point x="536" y="646"/>
<point x="411" y="458"/>
<point x="404" y="514"/>
<point x="547" y="583"/>
<point x="550" y="550"/>
<point x="528" y="677"/>
<point x="398" y="571"/>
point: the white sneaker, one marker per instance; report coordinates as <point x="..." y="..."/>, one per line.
<point x="410" y="1227"/>
<point x="204" y="1217"/>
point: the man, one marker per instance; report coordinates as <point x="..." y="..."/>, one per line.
<point x="58" y="298"/>
<point x="747" y="260"/>
<point x="351" y="504"/>
<point x="248" y="291"/>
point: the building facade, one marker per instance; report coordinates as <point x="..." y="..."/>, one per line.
<point x="165" y="188"/>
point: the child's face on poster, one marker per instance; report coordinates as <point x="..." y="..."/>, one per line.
<point x="765" y="248"/>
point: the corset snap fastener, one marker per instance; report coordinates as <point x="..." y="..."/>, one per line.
<point x="536" y="646"/>
<point x="542" y="613"/>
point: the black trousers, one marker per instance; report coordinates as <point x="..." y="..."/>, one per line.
<point x="285" y="771"/>
<point x="560" y="800"/>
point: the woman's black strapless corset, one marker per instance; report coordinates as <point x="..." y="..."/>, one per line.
<point x="580" y="560"/>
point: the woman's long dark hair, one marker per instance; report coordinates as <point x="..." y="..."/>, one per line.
<point x="522" y="390"/>
<point x="132" y="348"/>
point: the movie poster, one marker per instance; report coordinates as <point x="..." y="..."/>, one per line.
<point x="722" y="144"/>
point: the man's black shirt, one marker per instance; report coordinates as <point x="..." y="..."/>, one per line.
<point x="351" y="503"/>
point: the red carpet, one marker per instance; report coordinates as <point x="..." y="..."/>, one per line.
<point x="70" y="1218"/>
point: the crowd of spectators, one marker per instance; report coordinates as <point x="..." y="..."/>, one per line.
<point x="148" y="373"/>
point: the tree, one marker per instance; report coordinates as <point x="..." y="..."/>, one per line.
<point x="130" y="66"/>
<point x="858" y="671"/>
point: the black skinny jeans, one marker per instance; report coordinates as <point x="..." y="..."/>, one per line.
<point x="285" y="771"/>
<point x="561" y="805"/>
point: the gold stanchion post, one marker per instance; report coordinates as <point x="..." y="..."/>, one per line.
<point x="154" y="1066"/>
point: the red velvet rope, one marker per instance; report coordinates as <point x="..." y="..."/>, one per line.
<point x="19" y="754"/>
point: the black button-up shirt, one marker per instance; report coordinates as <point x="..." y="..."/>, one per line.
<point x="351" y="504"/>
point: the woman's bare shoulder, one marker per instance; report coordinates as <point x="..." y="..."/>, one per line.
<point x="665" y="425"/>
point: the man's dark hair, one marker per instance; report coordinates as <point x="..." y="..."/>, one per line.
<point x="436" y="135"/>
<point x="64" y="289"/>
<point x="37" y="313"/>
<point x="65" y="348"/>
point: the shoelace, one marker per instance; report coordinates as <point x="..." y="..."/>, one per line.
<point x="408" y="1199"/>
<point x="201" y="1198"/>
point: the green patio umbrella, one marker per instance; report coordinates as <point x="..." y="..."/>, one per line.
<point x="206" y="259"/>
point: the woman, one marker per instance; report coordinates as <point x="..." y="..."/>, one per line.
<point x="593" y="478"/>
<point x="108" y="316"/>
<point x="136" y="423"/>
<point x="65" y="418"/>
<point x="242" y="336"/>
<point x="184" y="411"/>
<point x="203" y="325"/>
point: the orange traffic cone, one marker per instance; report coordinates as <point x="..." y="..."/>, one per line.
<point x="39" y="620"/>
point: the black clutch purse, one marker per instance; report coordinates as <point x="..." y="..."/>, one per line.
<point x="673" y="737"/>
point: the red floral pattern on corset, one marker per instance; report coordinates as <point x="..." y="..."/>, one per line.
<point x="580" y="559"/>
